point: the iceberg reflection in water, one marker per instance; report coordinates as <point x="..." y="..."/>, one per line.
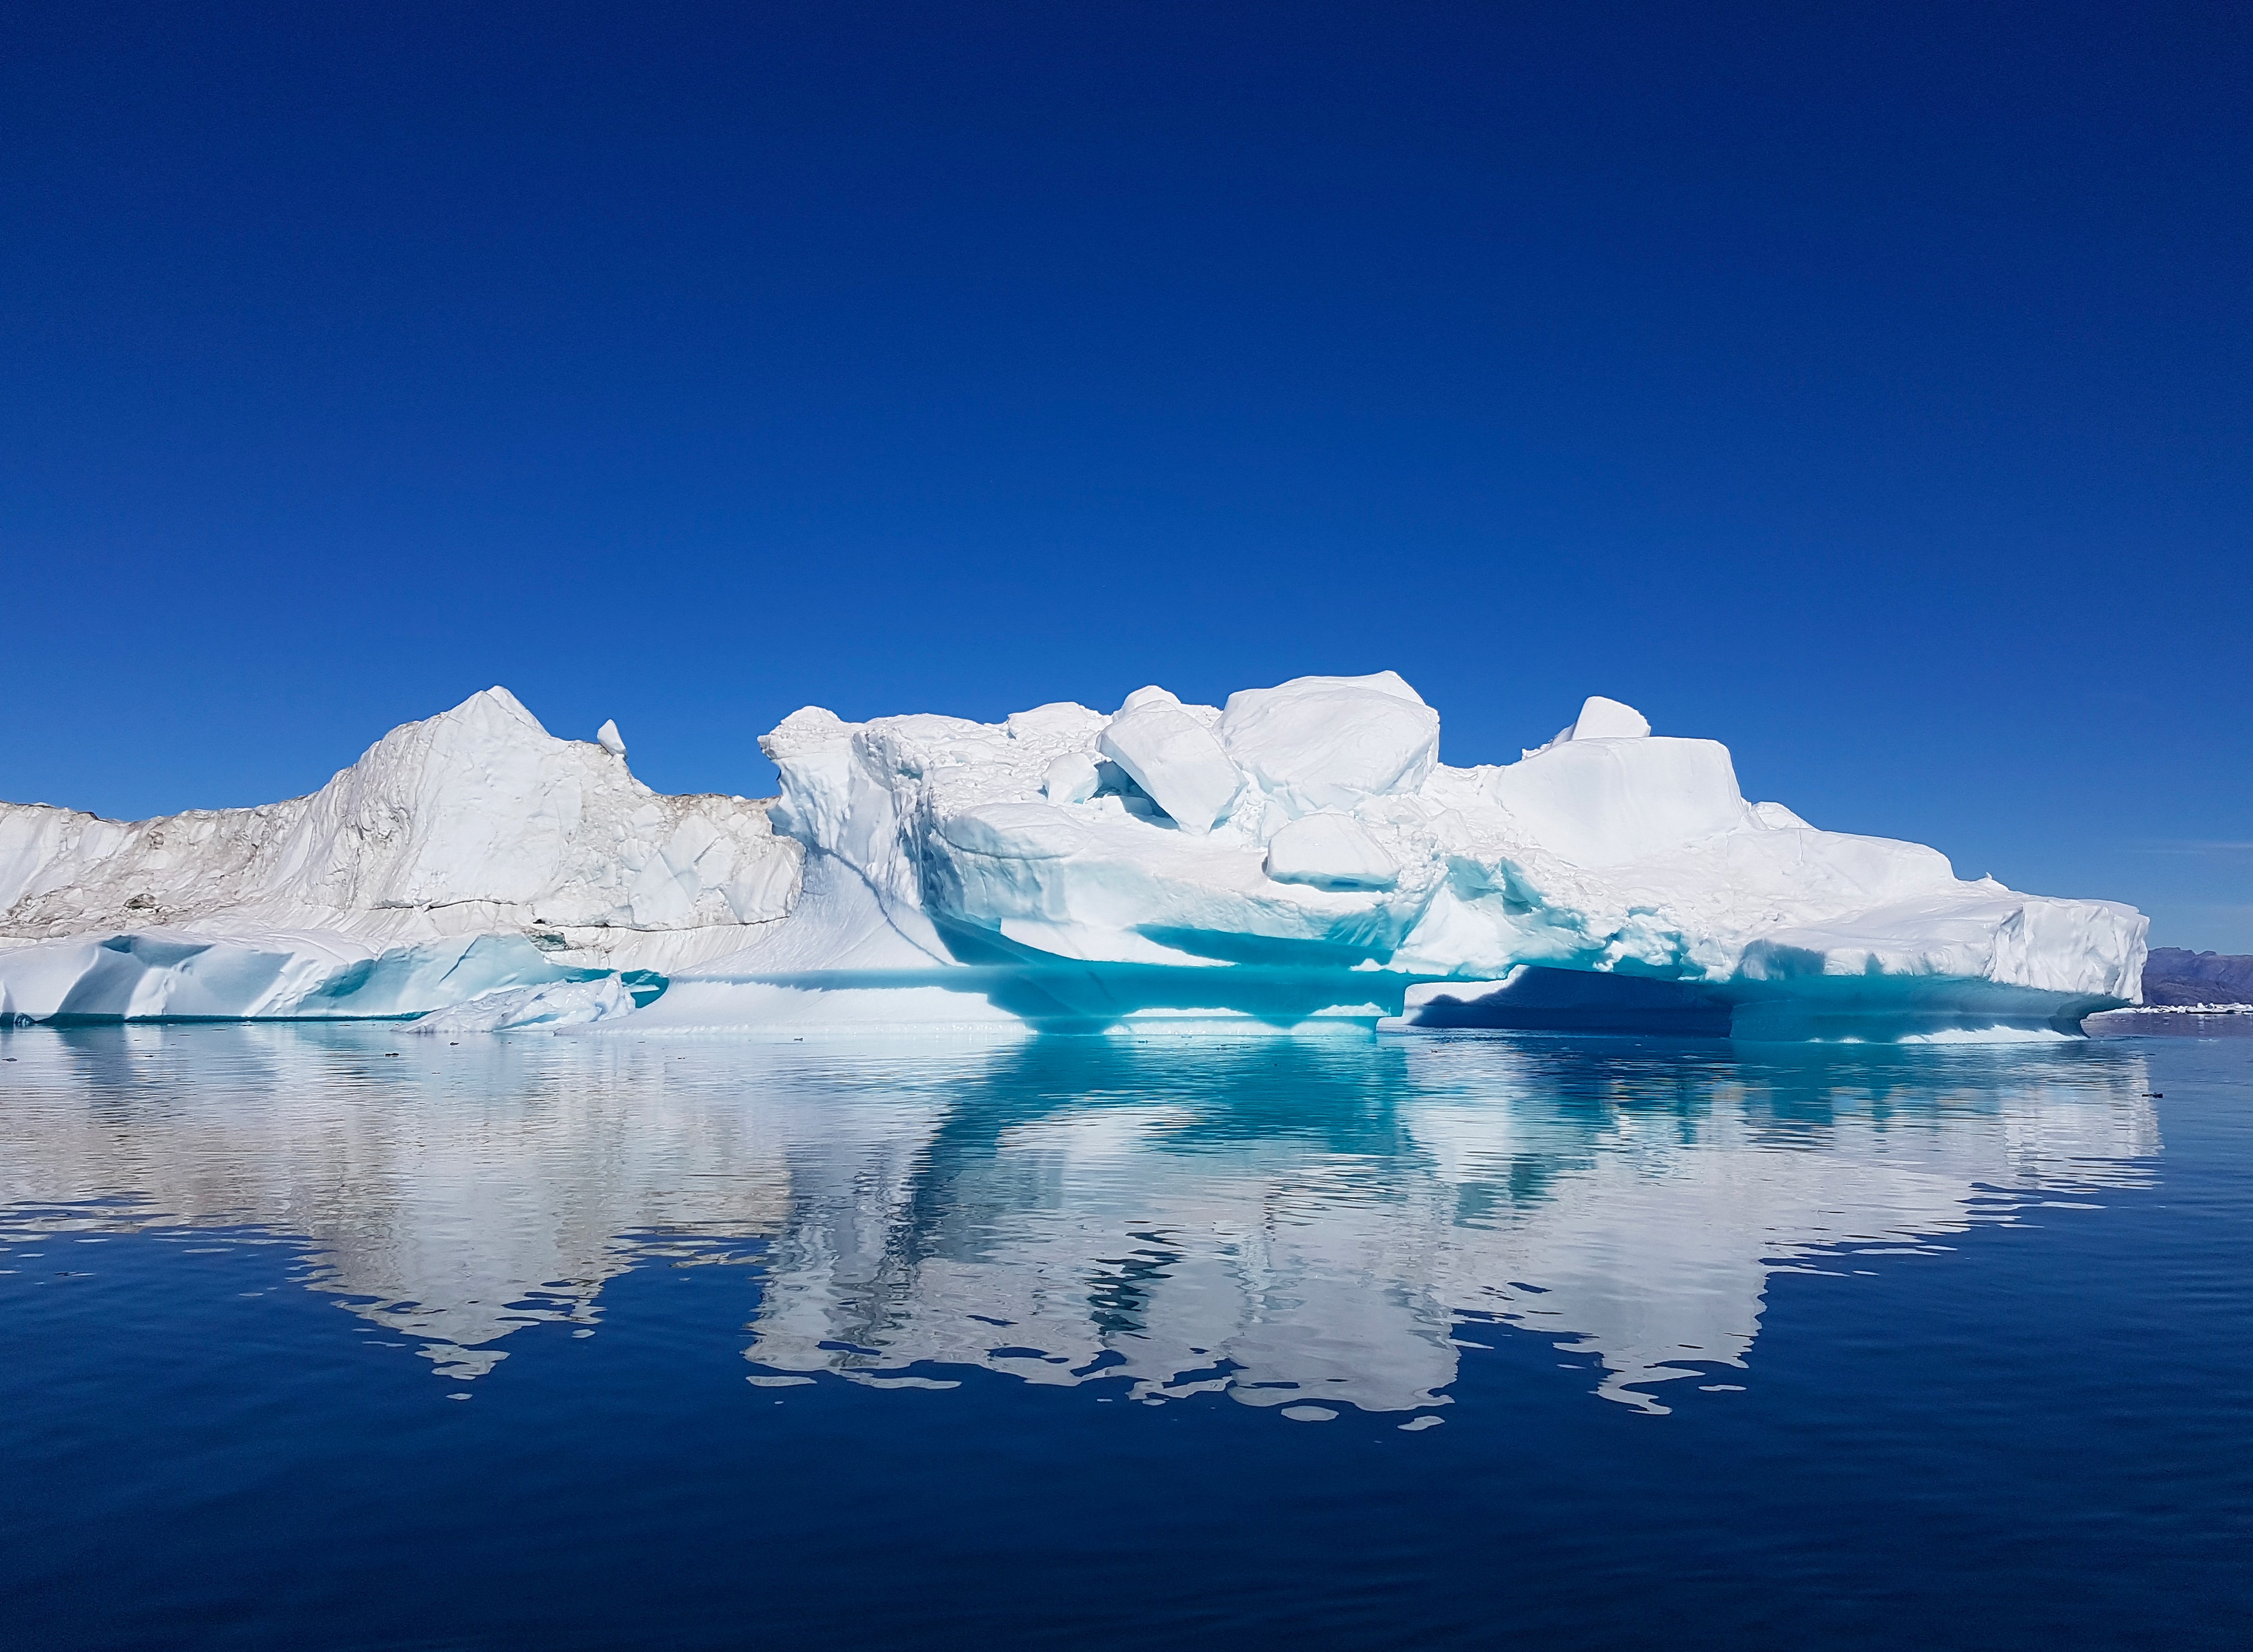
<point x="1280" y="1221"/>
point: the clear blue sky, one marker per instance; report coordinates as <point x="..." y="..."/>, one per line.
<point x="1868" y="387"/>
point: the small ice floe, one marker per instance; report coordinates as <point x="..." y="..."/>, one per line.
<point x="509" y="1008"/>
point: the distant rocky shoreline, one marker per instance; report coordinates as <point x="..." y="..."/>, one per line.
<point x="2177" y="979"/>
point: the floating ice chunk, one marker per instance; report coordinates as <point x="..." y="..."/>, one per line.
<point x="1327" y="742"/>
<point x="1174" y="760"/>
<point x="1330" y="852"/>
<point x="1602" y="719"/>
<point x="1072" y="779"/>
<point x="561" y="1004"/>
<point x="609" y="739"/>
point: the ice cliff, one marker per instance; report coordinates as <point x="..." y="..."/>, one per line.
<point x="467" y="854"/>
<point x="1296" y="858"/>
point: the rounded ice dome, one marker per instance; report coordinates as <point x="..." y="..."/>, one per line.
<point x="1327" y="742"/>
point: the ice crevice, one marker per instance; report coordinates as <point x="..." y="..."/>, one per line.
<point x="1298" y="859"/>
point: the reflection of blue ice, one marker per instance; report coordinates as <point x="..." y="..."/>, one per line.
<point x="1327" y="1220"/>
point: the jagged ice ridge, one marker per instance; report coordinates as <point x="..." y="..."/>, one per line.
<point x="470" y="852"/>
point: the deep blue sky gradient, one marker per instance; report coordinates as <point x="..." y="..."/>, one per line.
<point x="1869" y="386"/>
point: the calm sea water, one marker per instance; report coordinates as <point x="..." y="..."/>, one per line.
<point x="341" y="1337"/>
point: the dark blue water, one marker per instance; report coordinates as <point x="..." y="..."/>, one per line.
<point x="561" y="1342"/>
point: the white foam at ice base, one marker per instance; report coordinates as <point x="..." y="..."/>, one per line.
<point x="468" y="852"/>
<point x="1298" y="860"/>
<point x="1985" y="1035"/>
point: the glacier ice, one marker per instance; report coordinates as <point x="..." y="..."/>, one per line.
<point x="461" y="854"/>
<point x="1297" y="859"/>
<point x="1300" y="857"/>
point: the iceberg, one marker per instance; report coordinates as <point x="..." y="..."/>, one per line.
<point x="1300" y="858"/>
<point x="469" y="853"/>
<point x="1297" y="860"/>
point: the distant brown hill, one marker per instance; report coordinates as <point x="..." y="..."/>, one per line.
<point x="2174" y="976"/>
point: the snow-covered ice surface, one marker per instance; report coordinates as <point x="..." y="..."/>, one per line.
<point x="1301" y="857"/>
<point x="1297" y="859"/>
<point x="464" y="855"/>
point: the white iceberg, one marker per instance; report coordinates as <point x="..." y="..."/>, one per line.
<point x="1304" y="858"/>
<point x="466" y="854"/>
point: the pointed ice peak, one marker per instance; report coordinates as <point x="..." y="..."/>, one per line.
<point x="1602" y="719"/>
<point x="609" y="739"/>
<point x="489" y="700"/>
